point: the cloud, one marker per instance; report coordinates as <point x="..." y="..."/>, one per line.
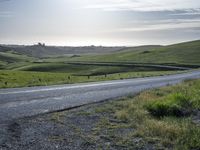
<point x="4" y="1"/>
<point x="166" y="21"/>
<point x="143" y="5"/>
<point x="6" y="14"/>
<point x="188" y="12"/>
<point x="161" y="25"/>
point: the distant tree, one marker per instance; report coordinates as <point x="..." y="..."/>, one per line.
<point x="41" y="44"/>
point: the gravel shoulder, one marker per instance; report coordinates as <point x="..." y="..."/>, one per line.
<point x="80" y="128"/>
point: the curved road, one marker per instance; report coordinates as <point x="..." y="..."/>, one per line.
<point x="23" y="102"/>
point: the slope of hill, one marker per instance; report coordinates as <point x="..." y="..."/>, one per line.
<point x="183" y="53"/>
<point x="19" y="56"/>
<point x="42" y="51"/>
<point x="4" y="49"/>
<point x="10" y="60"/>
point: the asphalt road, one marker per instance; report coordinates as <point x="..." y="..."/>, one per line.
<point x="23" y="102"/>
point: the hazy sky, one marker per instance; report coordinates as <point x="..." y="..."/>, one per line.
<point x="99" y="22"/>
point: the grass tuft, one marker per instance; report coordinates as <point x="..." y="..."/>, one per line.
<point x="190" y="139"/>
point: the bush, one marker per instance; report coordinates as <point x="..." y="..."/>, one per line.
<point x="176" y="104"/>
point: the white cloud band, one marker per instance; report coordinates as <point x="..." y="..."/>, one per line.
<point x="143" y="5"/>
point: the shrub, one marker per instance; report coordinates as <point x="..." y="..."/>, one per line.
<point x="176" y="104"/>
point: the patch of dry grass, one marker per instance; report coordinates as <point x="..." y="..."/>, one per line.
<point x="167" y="131"/>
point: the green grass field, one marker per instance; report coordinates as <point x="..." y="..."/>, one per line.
<point x="87" y="69"/>
<point x="10" y="79"/>
<point x="10" y="60"/>
<point x="183" y="53"/>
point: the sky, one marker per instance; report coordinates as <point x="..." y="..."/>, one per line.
<point x="99" y="22"/>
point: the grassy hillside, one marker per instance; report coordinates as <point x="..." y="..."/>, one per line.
<point x="183" y="53"/>
<point x="11" y="60"/>
<point x="102" y="55"/>
<point x="91" y="69"/>
<point x="42" y="51"/>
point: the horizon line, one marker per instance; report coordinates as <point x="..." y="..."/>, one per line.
<point x="94" y="45"/>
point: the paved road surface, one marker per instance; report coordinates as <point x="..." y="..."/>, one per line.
<point x="24" y="102"/>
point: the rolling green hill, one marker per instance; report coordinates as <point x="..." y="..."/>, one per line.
<point x="88" y="69"/>
<point x="132" y="62"/>
<point x="183" y="53"/>
<point x="43" y="51"/>
<point x="10" y="60"/>
<point x="187" y="53"/>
